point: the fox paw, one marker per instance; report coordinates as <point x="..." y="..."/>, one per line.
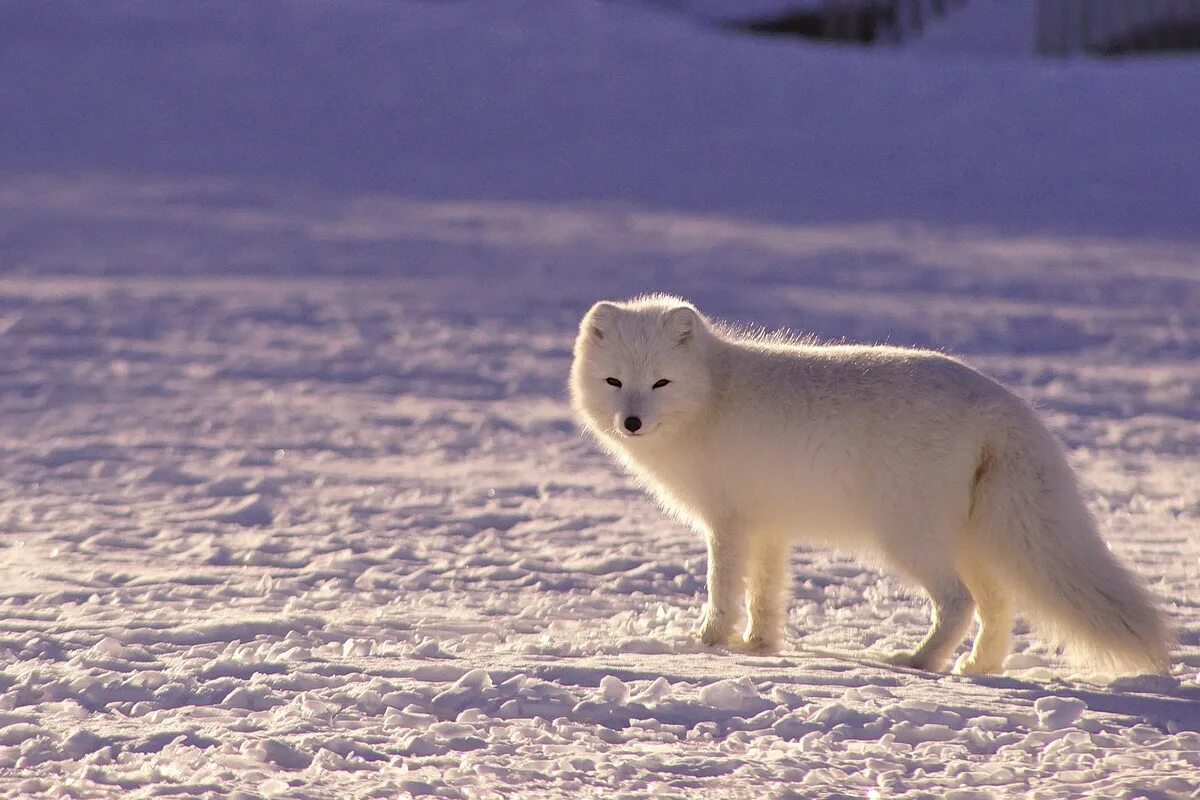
<point x="716" y="630"/>
<point x="759" y="642"/>
<point x="968" y="664"/>
<point x="903" y="658"/>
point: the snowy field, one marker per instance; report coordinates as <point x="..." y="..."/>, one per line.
<point x="292" y="502"/>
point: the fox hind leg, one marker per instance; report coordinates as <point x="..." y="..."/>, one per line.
<point x="995" y="617"/>
<point x="951" y="600"/>
<point x="951" y="616"/>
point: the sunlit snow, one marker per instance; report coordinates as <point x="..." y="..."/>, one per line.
<point x="292" y="501"/>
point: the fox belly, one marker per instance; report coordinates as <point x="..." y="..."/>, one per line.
<point x="819" y="488"/>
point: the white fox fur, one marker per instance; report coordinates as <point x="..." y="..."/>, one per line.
<point x="907" y="455"/>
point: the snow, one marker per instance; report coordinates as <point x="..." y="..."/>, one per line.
<point x="591" y="101"/>
<point x="292" y="502"/>
<point x="1058" y="712"/>
<point x="733" y="695"/>
<point x="987" y="28"/>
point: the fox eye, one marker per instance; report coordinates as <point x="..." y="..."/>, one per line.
<point x="659" y="384"/>
<point x="613" y="382"/>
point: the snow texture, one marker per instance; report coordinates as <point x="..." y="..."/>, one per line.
<point x="291" y="501"/>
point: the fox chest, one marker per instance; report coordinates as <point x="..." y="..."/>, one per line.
<point x="767" y="486"/>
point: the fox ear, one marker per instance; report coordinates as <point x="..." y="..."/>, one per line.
<point x="597" y="320"/>
<point x="681" y="323"/>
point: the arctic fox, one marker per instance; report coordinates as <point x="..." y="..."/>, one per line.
<point x="905" y="455"/>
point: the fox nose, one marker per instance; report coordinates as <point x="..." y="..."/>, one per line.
<point x="632" y="424"/>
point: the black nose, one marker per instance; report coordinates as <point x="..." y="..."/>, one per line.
<point x="632" y="424"/>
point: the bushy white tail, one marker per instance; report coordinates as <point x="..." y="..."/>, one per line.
<point x="1034" y="529"/>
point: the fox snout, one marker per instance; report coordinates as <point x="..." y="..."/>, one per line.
<point x="631" y="420"/>
<point x="633" y="415"/>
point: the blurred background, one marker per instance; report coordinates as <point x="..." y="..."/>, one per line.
<point x="1020" y="116"/>
<point x="287" y="296"/>
<point x="775" y="160"/>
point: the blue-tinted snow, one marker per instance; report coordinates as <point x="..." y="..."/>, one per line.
<point x="602" y="102"/>
<point x="292" y="504"/>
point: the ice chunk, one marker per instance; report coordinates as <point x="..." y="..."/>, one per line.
<point x="20" y="732"/>
<point x="792" y="726"/>
<point x="369" y="701"/>
<point x="733" y="695"/>
<point x="910" y="733"/>
<point x="251" y="698"/>
<point x="427" y="649"/>
<point x="81" y="742"/>
<point x="1058" y="712"/>
<point x="252" y="511"/>
<point x="614" y="690"/>
<point x="410" y="717"/>
<point x="421" y="747"/>
<point x="109" y="648"/>
<point x="656" y="692"/>
<point x="273" y="787"/>
<point x="476" y="680"/>
<point x="838" y="714"/>
<point x="281" y="754"/>
<point x="449" y="730"/>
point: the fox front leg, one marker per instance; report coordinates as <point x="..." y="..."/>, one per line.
<point x="767" y="595"/>
<point x="727" y="554"/>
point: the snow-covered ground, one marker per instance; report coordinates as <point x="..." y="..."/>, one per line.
<point x="292" y="502"/>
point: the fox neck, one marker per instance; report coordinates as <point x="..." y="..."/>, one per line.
<point x="653" y="451"/>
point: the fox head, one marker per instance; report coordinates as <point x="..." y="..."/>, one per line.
<point x="640" y="370"/>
